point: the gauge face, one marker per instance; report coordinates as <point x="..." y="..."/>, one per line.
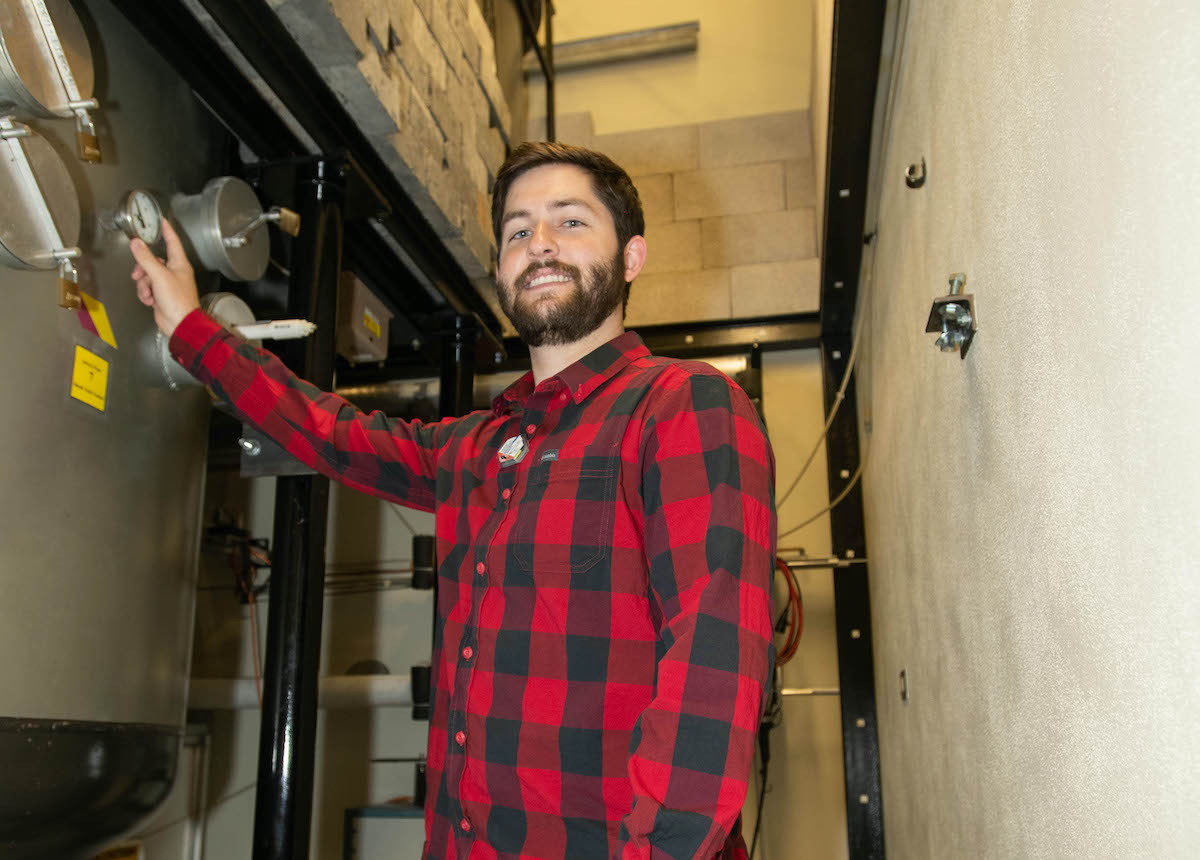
<point x="140" y="217"/>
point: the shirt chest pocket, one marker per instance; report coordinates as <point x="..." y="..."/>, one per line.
<point x="565" y="517"/>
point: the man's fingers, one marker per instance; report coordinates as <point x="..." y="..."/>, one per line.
<point x="176" y="257"/>
<point x="149" y="263"/>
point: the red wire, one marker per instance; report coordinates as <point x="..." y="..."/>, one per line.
<point x="795" y="610"/>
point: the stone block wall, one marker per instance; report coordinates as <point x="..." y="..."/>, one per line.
<point x="730" y="209"/>
<point x="419" y="79"/>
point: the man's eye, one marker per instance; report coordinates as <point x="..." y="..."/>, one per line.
<point x="572" y="222"/>
<point x="520" y="234"/>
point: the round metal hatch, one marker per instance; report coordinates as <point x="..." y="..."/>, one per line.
<point x="228" y="310"/>
<point x="30" y="81"/>
<point x="34" y="184"/>
<point x="225" y="207"/>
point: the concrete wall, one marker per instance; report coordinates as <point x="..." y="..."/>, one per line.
<point x="753" y="59"/>
<point x="1032" y="510"/>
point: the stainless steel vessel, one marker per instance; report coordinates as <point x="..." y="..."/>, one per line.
<point x="102" y="471"/>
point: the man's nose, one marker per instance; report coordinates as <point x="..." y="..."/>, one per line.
<point x="541" y="243"/>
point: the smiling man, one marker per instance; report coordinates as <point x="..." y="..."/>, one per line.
<point x="606" y="537"/>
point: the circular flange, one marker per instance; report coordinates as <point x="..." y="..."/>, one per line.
<point x="224" y="208"/>
<point x="29" y="80"/>
<point x="24" y="240"/>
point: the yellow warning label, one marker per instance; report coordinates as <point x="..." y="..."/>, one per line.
<point x="95" y="309"/>
<point x="371" y="323"/>
<point x="89" y="379"/>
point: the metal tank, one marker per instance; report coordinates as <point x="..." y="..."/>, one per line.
<point x="100" y="492"/>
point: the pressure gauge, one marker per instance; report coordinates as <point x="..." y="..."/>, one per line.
<point x="138" y="216"/>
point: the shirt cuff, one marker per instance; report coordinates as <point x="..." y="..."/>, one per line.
<point x="192" y="337"/>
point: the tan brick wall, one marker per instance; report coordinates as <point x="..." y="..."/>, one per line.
<point x="729" y="211"/>
<point x="419" y="78"/>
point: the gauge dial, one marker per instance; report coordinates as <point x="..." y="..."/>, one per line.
<point x="139" y="216"/>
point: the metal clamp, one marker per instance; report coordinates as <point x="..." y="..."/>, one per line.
<point x="954" y="317"/>
<point x="85" y="129"/>
<point x="289" y="222"/>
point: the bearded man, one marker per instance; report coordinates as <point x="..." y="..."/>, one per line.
<point x="606" y="536"/>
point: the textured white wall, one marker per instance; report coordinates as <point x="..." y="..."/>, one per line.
<point x="1033" y="510"/>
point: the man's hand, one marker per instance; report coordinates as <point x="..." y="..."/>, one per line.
<point x="170" y="287"/>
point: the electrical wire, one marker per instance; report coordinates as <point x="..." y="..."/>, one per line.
<point x="833" y="504"/>
<point x="837" y="403"/>
<point x="762" y="795"/>
<point x="254" y="650"/>
<point x="793" y="613"/>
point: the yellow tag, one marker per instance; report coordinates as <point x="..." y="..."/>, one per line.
<point x="95" y="309"/>
<point x="121" y="852"/>
<point x="89" y="379"/>
<point x="371" y="323"/>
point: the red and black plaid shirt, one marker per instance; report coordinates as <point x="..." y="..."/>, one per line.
<point x="603" y="641"/>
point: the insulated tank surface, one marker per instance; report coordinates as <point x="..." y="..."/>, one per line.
<point x="102" y="466"/>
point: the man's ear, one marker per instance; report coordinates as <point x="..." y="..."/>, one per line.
<point x="635" y="257"/>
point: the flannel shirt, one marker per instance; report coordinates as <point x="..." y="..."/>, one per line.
<point x="603" y="637"/>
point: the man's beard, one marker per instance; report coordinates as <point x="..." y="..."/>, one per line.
<point x="556" y="320"/>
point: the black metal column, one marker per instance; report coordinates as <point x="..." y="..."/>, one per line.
<point x="858" y="27"/>
<point x="287" y="739"/>
<point x="455" y="394"/>
<point x="852" y="611"/>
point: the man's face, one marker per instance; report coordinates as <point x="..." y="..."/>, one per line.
<point x="561" y="274"/>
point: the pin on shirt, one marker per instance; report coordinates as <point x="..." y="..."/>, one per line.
<point x="512" y="451"/>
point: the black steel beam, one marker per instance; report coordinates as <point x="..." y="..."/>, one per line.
<point x="857" y="44"/>
<point x="287" y="737"/>
<point x="703" y="339"/>
<point x="258" y="34"/>
<point x="852" y="609"/>
<point x="544" y="53"/>
<point x="455" y="393"/>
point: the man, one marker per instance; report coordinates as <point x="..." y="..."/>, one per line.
<point x="605" y="535"/>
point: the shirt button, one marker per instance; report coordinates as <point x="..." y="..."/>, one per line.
<point x="531" y="429"/>
<point x="465" y="825"/>
<point x="479" y="568"/>
<point x="468" y="653"/>
<point x="460" y="738"/>
<point x="506" y="494"/>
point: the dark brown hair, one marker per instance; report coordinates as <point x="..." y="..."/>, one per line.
<point x="612" y="184"/>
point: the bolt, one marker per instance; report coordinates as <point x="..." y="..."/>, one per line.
<point x="497" y="357"/>
<point x="956" y="313"/>
<point x="252" y="447"/>
<point x="949" y="341"/>
<point x="957" y="281"/>
<point x="416" y="344"/>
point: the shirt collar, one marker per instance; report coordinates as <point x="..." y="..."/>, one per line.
<point x="584" y="376"/>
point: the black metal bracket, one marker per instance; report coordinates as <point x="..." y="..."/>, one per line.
<point x="545" y="53"/>
<point x="257" y="33"/>
<point x="858" y="27"/>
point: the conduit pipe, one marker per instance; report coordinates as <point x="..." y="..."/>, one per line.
<point x="334" y="692"/>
